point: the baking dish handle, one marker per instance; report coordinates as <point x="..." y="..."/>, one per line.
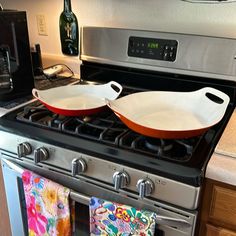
<point x="216" y="96"/>
<point x="35" y="93"/>
<point x="116" y="87"/>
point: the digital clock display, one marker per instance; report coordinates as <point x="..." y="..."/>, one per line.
<point x="152" y="48"/>
<point x="153" y="45"/>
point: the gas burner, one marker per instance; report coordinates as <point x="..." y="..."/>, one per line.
<point x="30" y="110"/>
<point x="55" y="121"/>
<point x="41" y="116"/>
<point x="160" y="146"/>
<point x="176" y="150"/>
<point x="187" y="143"/>
<point x="172" y="149"/>
<point x="87" y="119"/>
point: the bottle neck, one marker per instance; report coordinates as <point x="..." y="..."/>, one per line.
<point x="67" y="6"/>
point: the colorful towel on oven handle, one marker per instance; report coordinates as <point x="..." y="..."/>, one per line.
<point x="113" y="219"/>
<point x="48" y="207"/>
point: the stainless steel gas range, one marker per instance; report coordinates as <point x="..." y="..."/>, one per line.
<point x="98" y="155"/>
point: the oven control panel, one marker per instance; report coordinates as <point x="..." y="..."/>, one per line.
<point x="152" y="48"/>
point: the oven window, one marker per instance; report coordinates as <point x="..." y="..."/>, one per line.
<point x="81" y="219"/>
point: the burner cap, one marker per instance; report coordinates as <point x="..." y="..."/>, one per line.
<point x="172" y="149"/>
<point x="160" y="146"/>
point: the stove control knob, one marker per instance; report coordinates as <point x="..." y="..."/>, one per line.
<point x="23" y="149"/>
<point x="78" y="166"/>
<point x="145" y="187"/>
<point x="40" y="154"/>
<point x="120" y="180"/>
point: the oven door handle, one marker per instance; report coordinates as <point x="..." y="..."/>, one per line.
<point x="161" y="220"/>
<point x="173" y="222"/>
<point x="78" y="197"/>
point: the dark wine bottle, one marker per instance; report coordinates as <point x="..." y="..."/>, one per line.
<point x="69" y="33"/>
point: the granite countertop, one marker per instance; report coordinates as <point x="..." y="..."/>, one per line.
<point x="222" y="165"/>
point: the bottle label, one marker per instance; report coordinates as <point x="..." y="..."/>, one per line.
<point x="70" y="29"/>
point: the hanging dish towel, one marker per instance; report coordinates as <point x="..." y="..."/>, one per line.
<point x="111" y="219"/>
<point x="47" y="206"/>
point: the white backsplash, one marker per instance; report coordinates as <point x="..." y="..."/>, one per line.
<point x="158" y="15"/>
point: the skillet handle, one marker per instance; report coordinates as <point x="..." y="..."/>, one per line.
<point x="35" y="93"/>
<point x="116" y="87"/>
<point x="216" y="96"/>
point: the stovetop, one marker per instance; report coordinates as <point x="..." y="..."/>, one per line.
<point x="104" y="136"/>
<point x="106" y="128"/>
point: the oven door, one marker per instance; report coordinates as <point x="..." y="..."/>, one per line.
<point x="170" y="221"/>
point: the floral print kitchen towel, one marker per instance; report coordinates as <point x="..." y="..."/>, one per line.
<point x="111" y="219"/>
<point x="47" y="206"/>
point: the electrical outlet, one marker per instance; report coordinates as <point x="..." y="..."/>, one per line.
<point x="42" y="26"/>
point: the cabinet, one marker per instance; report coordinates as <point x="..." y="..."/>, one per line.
<point x="218" y="214"/>
<point x="4" y="217"/>
<point x="218" y="231"/>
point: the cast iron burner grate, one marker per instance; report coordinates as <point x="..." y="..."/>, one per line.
<point x="105" y="127"/>
<point x="179" y="150"/>
<point x="41" y="116"/>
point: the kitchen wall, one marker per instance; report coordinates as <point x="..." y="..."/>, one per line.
<point x="159" y="15"/>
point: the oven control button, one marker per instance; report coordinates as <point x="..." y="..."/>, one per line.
<point x="145" y="187"/>
<point x="23" y="149"/>
<point x="78" y="166"/>
<point x="40" y="154"/>
<point x="120" y="180"/>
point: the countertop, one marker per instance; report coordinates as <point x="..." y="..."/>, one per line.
<point x="222" y="165"/>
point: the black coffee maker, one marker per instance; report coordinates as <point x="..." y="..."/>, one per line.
<point x="16" y="74"/>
